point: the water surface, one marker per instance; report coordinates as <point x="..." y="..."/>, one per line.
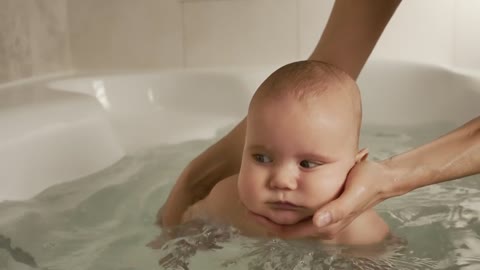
<point x="105" y="221"/>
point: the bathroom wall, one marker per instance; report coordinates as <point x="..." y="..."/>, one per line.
<point x="47" y="36"/>
<point x="197" y="33"/>
<point x="33" y="38"/>
<point x="273" y="31"/>
<point x="467" y="34"/>
<point x="126" y="34"/>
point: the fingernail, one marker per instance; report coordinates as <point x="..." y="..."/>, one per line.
<point x="323" y="219"/>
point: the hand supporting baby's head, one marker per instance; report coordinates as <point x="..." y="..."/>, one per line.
<point x="302" y="139"/>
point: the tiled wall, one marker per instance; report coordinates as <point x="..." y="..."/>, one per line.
<point x="467" y="34"/>
<point x="43" y="36"/>
<point x="33" y="38"/>
<point x="126" y="34"/>
<point x="240" y="32"/>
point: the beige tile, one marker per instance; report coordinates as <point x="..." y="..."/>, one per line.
<point x="3" y="54"/>
<point x="419" y="31"/>
<point x="467" y="34"/>
<point x="312" y="18"/>
<point x="124" y="34"/>
<point x="16" y="40"/>
<point x="249" y="32"/>
<point x="3" y="64"/>
<point x="49" y="36"/>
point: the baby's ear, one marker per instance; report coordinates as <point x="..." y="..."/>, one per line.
<point x="361" y="155"/>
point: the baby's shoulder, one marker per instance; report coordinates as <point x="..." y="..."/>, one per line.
<point x="223" y="198"/>
<point x="368" y="228"/>
<point x="225" y="189"/>
<point x="219" y="203"/>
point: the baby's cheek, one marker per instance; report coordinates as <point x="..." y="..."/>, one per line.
<point x="252" y="186"/>
<point x="322" y="190"/>
<point x="247" y="187"/>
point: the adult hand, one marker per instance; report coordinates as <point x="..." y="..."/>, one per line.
<point x="451" y="156"/>
<point x="367" y="184"/>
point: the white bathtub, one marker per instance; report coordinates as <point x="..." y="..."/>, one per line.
<point x="57" y="130"/>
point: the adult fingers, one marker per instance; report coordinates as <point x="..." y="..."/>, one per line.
<point x="336" y="210"/>
<point x="326" y="223"/>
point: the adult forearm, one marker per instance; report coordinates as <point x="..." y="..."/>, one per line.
<point x="352" y="31"/>
<point x="452" y="156"/>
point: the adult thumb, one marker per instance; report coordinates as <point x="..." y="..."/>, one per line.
<point x="330" y="213"/>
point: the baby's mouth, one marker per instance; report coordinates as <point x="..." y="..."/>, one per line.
<point x="285" y="205"/>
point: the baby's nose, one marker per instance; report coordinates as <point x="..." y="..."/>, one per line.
<point x="284" y="181"/>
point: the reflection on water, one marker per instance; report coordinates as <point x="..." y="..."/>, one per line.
<point x="105" y="221"/>
<point x="179" y="252"/>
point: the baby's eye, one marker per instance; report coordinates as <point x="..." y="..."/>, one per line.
<point x="262" y="158"/>
<point x="309" y="164"/>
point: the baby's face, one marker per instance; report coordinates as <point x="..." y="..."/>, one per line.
<point x="296" y="158"/>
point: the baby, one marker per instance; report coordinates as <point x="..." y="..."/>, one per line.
<point x="301" y="141"/>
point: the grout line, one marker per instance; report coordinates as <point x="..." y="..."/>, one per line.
<point x="68" y="37"/>
<point x="31" y="47"/>
<point x="37" y="78"/>
<point x="184" y="49"/>
<point x="453" y="59"/>
<point x="297" y="6"/>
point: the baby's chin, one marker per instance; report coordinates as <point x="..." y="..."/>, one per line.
<point x="283" y="217"/>
<point x="277" y="216"/>
<point x="287" y="217"/>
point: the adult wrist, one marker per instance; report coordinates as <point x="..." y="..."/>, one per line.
<point x="396" y="182"/>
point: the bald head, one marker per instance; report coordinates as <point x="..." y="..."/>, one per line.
<point x="314" y="84"/>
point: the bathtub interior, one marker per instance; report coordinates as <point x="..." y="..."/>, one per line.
<point x="147" y="125"/>
<point x="166" y="107"/>
<point x="59" y="130"/>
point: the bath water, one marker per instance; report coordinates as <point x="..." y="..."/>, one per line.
<point x="106" y="222"/>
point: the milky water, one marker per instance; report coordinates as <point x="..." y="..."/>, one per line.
<point x="106" y="221"/>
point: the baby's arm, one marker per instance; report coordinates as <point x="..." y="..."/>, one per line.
<point x="196" y="211"/>
<point x="219" y="161"/>
<point x="218" y="206"/>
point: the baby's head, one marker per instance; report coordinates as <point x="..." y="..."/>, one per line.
<point x="301" y="141"/>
